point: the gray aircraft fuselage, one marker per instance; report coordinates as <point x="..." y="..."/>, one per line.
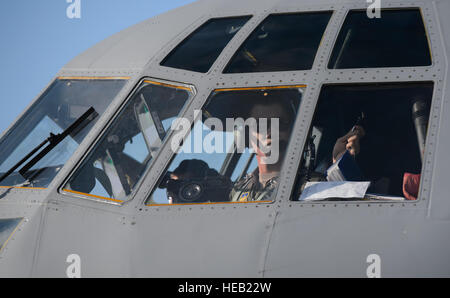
<point x="282" y="238"/>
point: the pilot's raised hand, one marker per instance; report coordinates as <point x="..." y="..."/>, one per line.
<point x="349" y="142"/>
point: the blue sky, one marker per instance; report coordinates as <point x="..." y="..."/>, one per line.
<point x="38" y="39"/>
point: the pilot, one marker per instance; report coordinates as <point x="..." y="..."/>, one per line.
<point x="351" y="143"/>
<point x="260" y="184"/>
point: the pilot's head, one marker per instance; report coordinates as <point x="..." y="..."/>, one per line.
<point x="270" y="141"/>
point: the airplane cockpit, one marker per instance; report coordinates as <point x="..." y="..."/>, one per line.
<point x="245" y="139"/>
<point x="215" y="161"/>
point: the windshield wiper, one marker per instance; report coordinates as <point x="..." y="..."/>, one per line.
<point x="53" y="141"/>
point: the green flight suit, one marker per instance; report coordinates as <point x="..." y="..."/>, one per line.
<point x="250" y="189"/>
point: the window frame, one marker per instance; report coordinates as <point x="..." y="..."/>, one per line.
<point x="398" y="8"/>
<point x="192" y="32"/>
<point x="358" y="202"/>
<point x="38" y="100"/>
<point x="331" y="11"/>
<point x="154" y="186"/>
<point x="89" y="149"/>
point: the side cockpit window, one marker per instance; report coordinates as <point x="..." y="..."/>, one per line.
<point x="397" y="39"/>
<point x="113" y="169"/>
<point x="235" y="150"/>
<point x="7" y="228"/>
<point x="200" y="50"/>
<point x="366" y="142"/>
<point x="57" y="113"/>
<point x="282" y="42"/>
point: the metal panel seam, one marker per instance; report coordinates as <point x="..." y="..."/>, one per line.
<point x="262" y="271"/>
<point x="38" y="238"/>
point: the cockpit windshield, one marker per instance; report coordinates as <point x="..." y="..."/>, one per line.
<point x="58" y="108"/>
<point x="115" y="166"/>
<point x="235" y="151"/>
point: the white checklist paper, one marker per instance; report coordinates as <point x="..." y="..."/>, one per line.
<point x="316" y="191"/>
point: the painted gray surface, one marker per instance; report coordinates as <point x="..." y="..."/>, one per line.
<point x="283" y="238"/>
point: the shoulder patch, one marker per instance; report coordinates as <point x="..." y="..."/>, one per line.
<point x="243" y="197"/>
